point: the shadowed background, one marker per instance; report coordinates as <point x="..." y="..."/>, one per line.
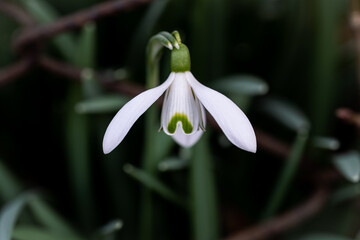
<point x="66" y="68"/>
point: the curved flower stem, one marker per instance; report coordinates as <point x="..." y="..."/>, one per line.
<point x="204" y="212"/>
<point x="154" y="50"/>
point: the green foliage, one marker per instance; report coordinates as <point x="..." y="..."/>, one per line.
<point x="349" y="165"/>
<point x="34" y="233"/>
<point x="9" y="185"/>
<point x="10" y="214"/>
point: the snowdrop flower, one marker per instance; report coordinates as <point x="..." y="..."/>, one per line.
<point x="183" y="114"/>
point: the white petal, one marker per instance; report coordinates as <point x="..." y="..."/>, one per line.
<point x="129" y="113"/>
<point x="203" y="115"/>
<point x="230" y="118"/>
<point x="186" y="140"/>
<point x="180" y="106"/>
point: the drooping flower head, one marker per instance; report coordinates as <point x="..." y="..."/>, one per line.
<point x="183" y="114"/>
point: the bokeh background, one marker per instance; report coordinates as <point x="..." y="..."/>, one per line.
<point x="291" y="65"/>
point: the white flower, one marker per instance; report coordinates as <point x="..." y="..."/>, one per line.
<point x="183" y="114"/>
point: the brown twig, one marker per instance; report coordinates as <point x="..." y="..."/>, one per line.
<point x="349" y="116"/>
<point x="75" y="20"/>
<point x="271" y="144"/>
<point x="21" y="17"/>
<point x="9" y="73"/>
<point x="286" y="221"/>
<point x="16" y="13"/>
<point x="32" y="36"/>
<point x="75" y="73"/>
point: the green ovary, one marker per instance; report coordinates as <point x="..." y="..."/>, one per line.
<point x="179" y="117"/>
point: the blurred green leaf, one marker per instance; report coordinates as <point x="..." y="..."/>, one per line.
<point x="90" y="85"/>
<point x="241" y="88"/>
<point x="348" y="164"/>
<point x="327" y="143"/>
<point x="345" y="193"/>
<point x="324" y="84"/>
<point x="208" y="37"/>
<point x="163" y="146"/>
<point x="203" y="194"/>
<point x="108" y="231"/>
<point x="78" y="156"/>
<point x="145" y="29"/>
<point x="85" y="57"/>
<point x="85" y="53"/>
<point x="35" y="233"/>
<point x="286" y="176"/>
<point x="78" y="126"/>
<point x="322" y="236"/>
<point x="286" y="114"/>
<point x="10" y="213"/>
<point x="173" y="163"/>
<point x="101" y="104"/>
<point x="9" y="186"/>
<point x="7" y="27"/>
<point x="241" y="84"/>
<point x="44" y="13"/>
<point x="154" y="184"/>
<point x="50" y="219"/>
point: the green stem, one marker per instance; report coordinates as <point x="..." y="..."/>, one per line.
<point x="203" y="194"/>
<point x="150" y="161"/>
<point x="209" y="22"/>
<point x="77" y="136"/>
<point x="324" y="83"/>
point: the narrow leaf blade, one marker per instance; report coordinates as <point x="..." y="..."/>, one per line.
<point x="50" y="219"/>
<point x="349" y="165"/>
<point x="34" y="233"/>
<point x="103" y="104"/>
<point x="10" y="213"/>
<point x="9" y="185"/>
<point x="287" y="114"/>
<point x="242" y="84"/>
<point x="154" y="184"/>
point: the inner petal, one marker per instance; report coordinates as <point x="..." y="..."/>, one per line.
<point x="180" y="108"/>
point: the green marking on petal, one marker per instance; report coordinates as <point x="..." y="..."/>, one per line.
<point x="180" y="117"/>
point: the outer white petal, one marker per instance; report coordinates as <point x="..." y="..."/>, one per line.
<point x="186" y="140"/>
<point x="230" y="118"/>
<point x="129" y="113"/>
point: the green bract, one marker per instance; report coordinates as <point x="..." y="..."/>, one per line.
<point x="180" y="59"/>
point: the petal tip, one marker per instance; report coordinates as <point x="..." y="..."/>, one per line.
<point x="250" y="145"/>
<point x="186" y="140"/>
<point x="252" y="150"/>
<point x="107" y="148"/>
<point x="109" y="144"/>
